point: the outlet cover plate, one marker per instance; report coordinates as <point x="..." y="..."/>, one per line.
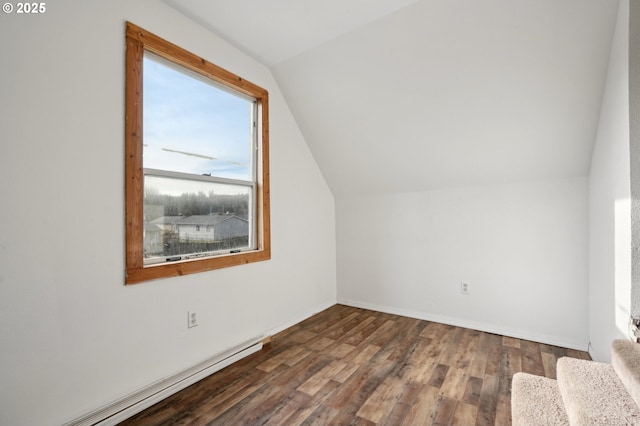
<point x="192" y="319"/>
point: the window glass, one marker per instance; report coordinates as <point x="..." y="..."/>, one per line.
<point x="198" y="140"/>
<point x="193" y="126"/>
<point x="188" y="219"/>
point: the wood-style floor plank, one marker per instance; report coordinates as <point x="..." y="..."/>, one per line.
<point x="353" y="366"/>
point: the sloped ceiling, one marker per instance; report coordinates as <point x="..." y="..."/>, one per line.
<point x="396" y="96"/>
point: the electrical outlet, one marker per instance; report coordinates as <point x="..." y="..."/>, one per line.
<point x="464" y="287"/>
<point x="192" y="319"/>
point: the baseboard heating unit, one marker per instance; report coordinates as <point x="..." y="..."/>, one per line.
<point x="135" y="402"/>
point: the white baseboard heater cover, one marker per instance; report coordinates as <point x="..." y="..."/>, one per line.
<point x="135" y="402"/>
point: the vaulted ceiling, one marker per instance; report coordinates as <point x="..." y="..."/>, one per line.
<point x="409" y="95"/>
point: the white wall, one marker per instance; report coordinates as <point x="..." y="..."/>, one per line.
<point x="522" y="247"/>
<point x="72" y="336"/>
<point x="609" y="205"/>
<point x="634" y="112"/>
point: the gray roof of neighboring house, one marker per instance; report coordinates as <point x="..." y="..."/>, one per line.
<point x="163" y="220"/>
<point x="150" y="227"/>
<point x="203" y="219"/>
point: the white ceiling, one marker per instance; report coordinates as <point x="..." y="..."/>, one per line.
<point x="397" y="96"/>
<point x="274" y="30"/>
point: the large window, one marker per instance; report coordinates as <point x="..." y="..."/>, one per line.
<point x="197" y="169"/>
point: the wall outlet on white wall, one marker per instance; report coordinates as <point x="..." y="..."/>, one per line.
<point x="192" y="319"/>
<point x="464" y="287"/>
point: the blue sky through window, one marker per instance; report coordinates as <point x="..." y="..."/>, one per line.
<point x="191" y="126"/>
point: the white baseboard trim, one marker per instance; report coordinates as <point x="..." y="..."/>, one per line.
<point x="489" y="328"/>
<point x="135" y="402"/>
<point x="592" y="354"/>
<point x="307" y="314"/>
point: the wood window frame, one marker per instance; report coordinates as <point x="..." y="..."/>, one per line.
<point x="138" y="41"/>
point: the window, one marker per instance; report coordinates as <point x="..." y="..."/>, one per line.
<point x="197" y="163"/>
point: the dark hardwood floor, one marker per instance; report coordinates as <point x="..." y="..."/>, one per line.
<point x="349" y="366"/>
